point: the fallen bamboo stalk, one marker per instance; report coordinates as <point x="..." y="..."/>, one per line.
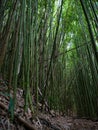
<point x="20" y="119"/>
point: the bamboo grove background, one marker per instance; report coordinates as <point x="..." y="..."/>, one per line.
<point x="49" y="48"/>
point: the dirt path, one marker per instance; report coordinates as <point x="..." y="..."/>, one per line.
<point x="46" y="122"/>
<point x="43" y="121"/>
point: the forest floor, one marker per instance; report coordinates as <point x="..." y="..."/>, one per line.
<point x="42" y="121"/>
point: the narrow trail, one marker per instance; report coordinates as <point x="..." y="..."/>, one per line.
<point x="42" y="121"/>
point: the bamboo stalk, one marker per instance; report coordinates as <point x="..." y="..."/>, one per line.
<point x="20" y="119"/>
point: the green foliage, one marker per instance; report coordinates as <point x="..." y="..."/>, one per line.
<point x="50" y="50"/>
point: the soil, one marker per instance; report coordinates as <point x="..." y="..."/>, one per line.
<point x="40" y="121"/>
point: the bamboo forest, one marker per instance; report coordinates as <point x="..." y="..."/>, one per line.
<point x="48" y="64"/>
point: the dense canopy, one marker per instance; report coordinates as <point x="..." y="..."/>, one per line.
<point x="49" y="48"/>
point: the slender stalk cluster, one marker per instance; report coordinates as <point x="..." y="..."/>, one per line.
<point x="49" y="49"/>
